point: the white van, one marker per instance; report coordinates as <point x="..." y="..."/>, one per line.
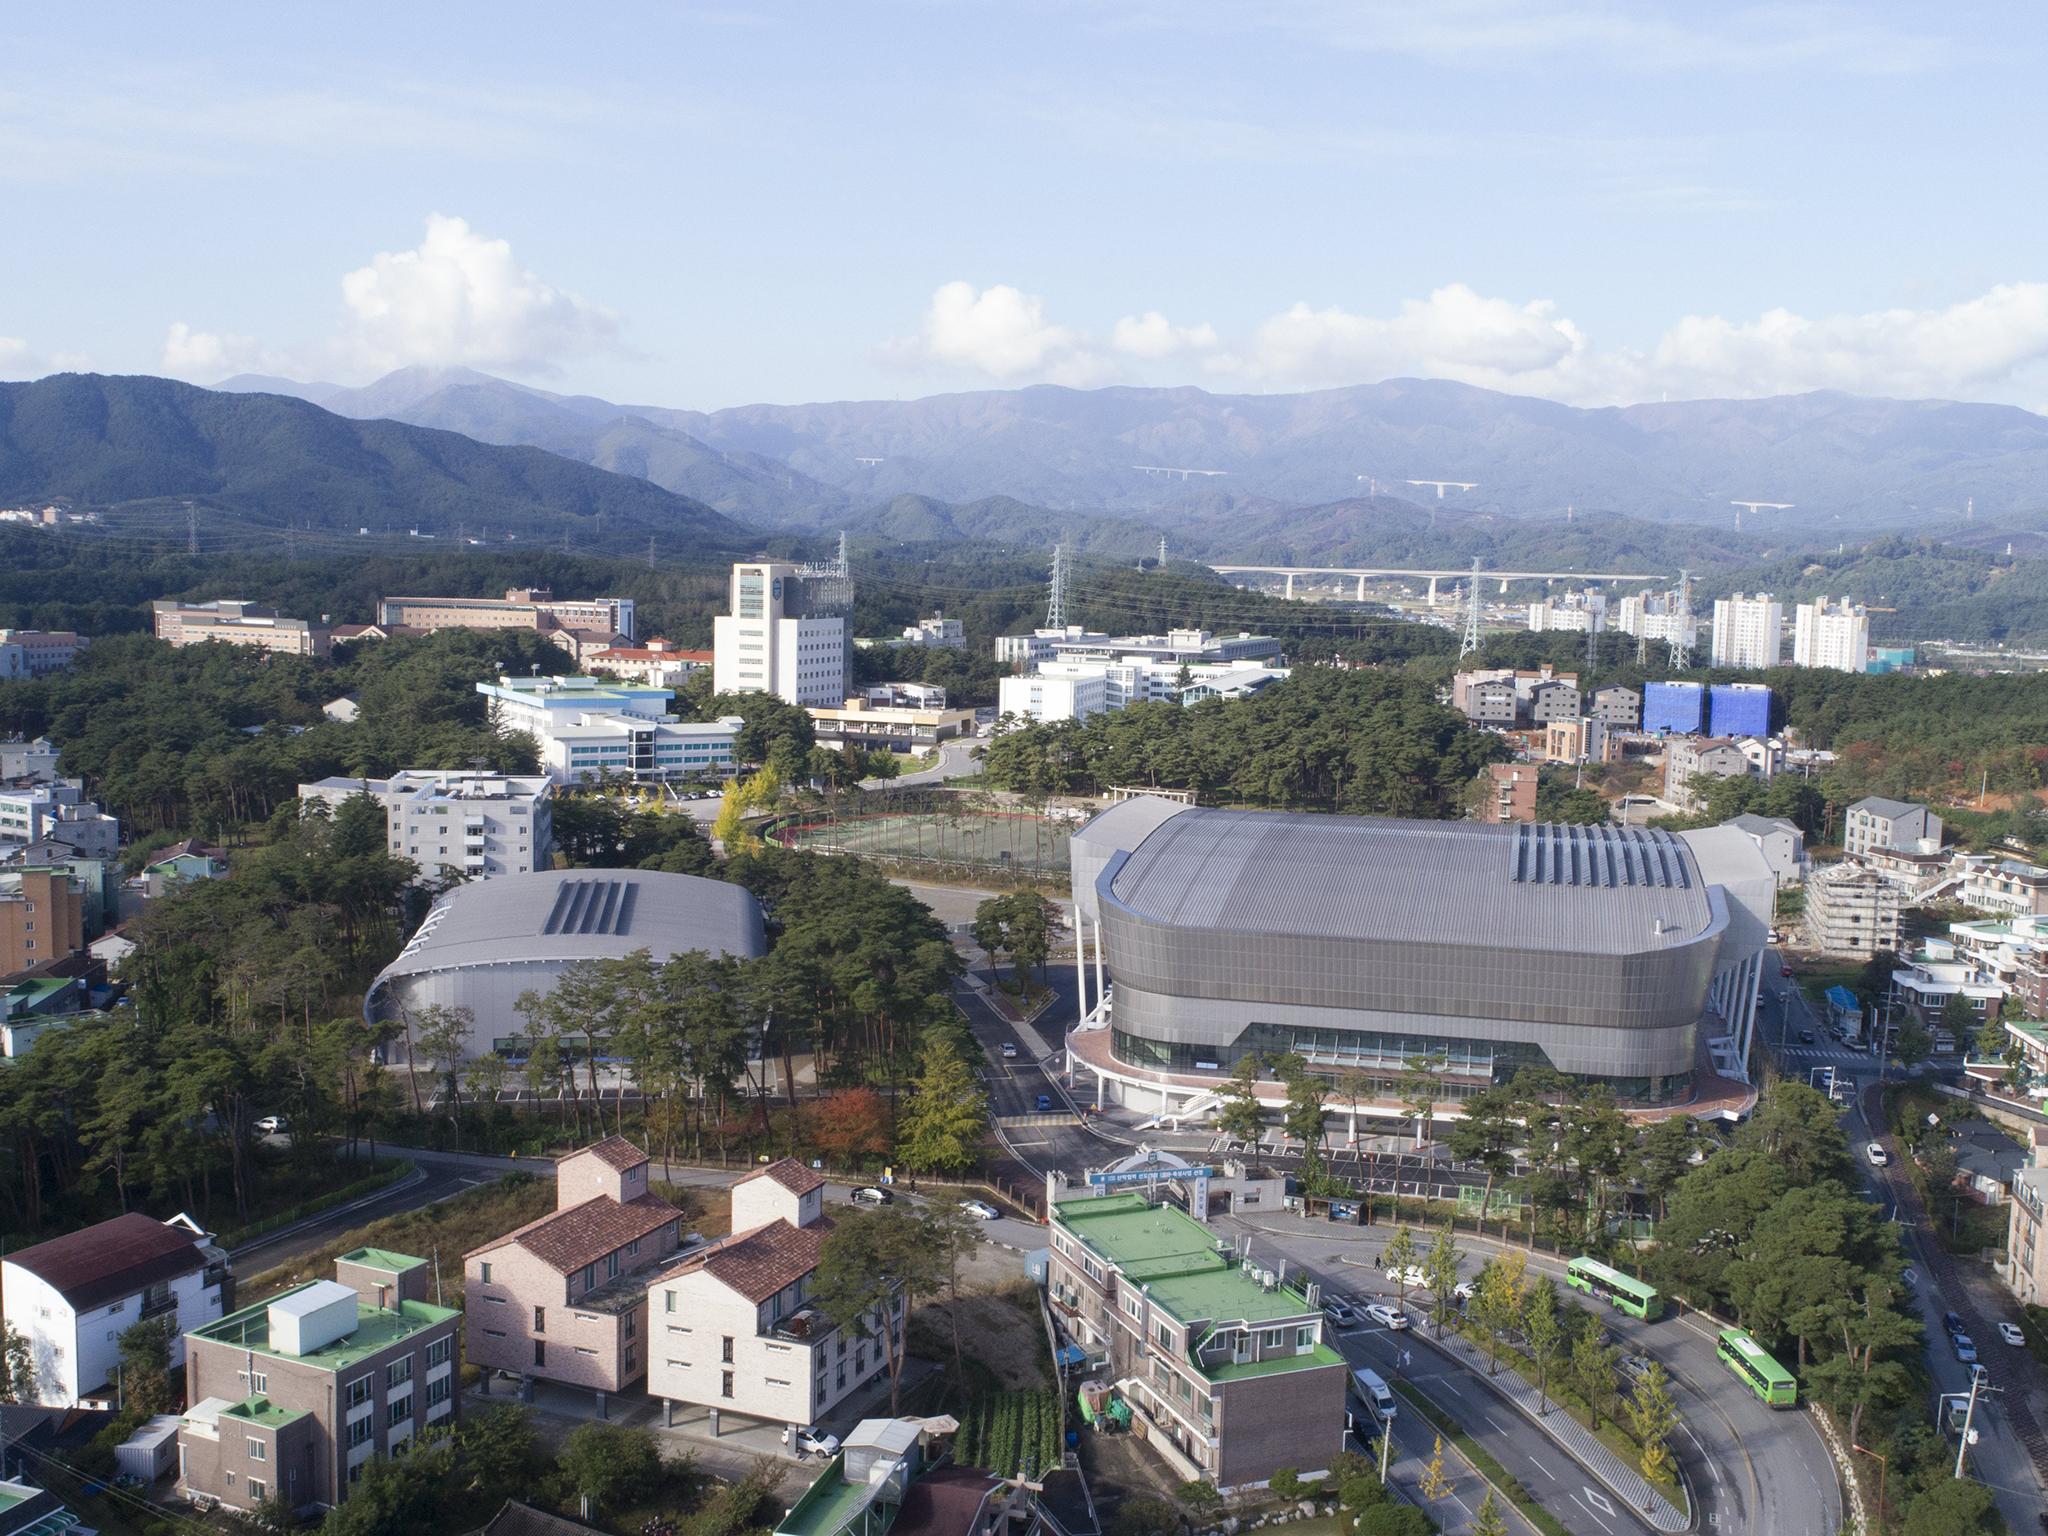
<point x="1371" y="1386"/>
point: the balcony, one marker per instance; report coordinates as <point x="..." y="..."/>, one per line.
<point x="159" y="1306"/>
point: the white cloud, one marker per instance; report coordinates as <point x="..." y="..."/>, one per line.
<point x="1152" y="336"/>
<point x="19" y="360"/>
<point x="1992" y="347"/>
<point x="460" y="299"/>
<point x="1002" y="333"/>
<point x="208" y="355"/>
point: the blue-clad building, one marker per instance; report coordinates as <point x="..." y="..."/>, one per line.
<point x="1674" y="709"/>
<point x="1739" y="709"/>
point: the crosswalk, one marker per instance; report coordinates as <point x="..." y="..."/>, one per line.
<point x="1836" y="1055"/>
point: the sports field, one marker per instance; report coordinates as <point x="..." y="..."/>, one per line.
<point x="1016" y="840"/>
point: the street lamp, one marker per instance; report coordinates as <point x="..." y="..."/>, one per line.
<point x="1874" y="1456"/>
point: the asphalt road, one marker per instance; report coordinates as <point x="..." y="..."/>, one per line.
<point x="1999" y="1458"/>
<point x="956" y="761"/>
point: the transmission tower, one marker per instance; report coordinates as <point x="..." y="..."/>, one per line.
<point x="650" y="551"/>
<point x="191" y="529"/>
<point x="1471" y="640"/>
<point x="1056" y="600"/>
<point x="1162" y="551"/>
<point x="1681" y="635"/>
<point x="1592" y="643"/>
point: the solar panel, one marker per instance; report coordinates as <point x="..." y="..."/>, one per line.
<point x="1595" y="856"/>
<point x="591" y="906"/>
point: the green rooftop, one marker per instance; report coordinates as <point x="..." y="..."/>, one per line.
<point x="376" y="1328"/>
<point x="1176" y="1259"/>
<point x="261" y="1411"/>
<point x="1322" y="1354"/>
<point x="382" y="1258"/>
<point x="829" y="1505"/>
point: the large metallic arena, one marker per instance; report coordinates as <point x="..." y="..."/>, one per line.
<point x="1623" y="956"/>
<point x="486" y="943"/>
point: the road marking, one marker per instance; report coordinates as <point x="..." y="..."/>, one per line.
<point x="1589" y="1510"/>
<point x="1599" y="1501"/>
<point x="1496" y="1428"/>
<point x="1543" y="1469"/>
<point x="1449" y="1386"/>
<point x="1041" y="1142"/>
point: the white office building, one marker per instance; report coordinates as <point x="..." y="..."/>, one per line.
<point x="58" y="810"/>
<point x="72" y="1296"/>
<point x="587" y="727"/>
<point x="466" y="826"/>
<point x="783" y="636"/>
<point x="1832" y="635"/>
<point x="1046" y="697"/>
<point x="1749" y="631"/>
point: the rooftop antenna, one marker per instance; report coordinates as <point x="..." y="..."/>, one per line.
<point x="1681" y="635"/>
<point x="1372" y="486"/>
<point x="1471" y="640"/>
<point x="1056" y="599"/>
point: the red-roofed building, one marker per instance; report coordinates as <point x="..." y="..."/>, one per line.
<point x="732" y="1328"/>
<point x="657" y="663"/>
<point x="564" y="1298"/>
<point x="70" y="1298"/>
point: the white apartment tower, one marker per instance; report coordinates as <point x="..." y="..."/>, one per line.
<point x="1748" y="631"/>
<point x="1832" y="635"/>
<point x="779" y="638"/>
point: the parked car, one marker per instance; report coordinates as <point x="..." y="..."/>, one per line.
<point x="2012" y="1334"/>
<point x="815" y="1442"/>
<point x="1463" y="1292"/>
<point x="1009" y="1050"/>
<point x="273" y="1125"/>
<point x="1953" y="1322"/>
<point x="869" y="1194"/>
<point x="1874" y="1154"/>
<point x="1966" y="1351"/>
<point x="1045" y="1101"/>
<point x="981" y="1210"/>
<point x="1412" y="1277"/>
<point x="1806" y="1037"/>
<point x="1387" y="1315"/>
<point x="1784" y="970"/>
<point x="1340" y="1313"/>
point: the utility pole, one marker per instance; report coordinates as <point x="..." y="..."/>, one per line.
<point x="1969" y="1414"/>
<point x="1471" y="640"/>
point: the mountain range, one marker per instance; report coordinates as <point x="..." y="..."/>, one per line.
<point x="265" y="460"/>
<point x="1849" y="465"/>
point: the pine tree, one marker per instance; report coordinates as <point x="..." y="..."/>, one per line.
<point x="1490" y="1521"/>
<point x="946" y="1115"/>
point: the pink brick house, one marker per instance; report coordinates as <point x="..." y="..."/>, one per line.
<point x="564" y="1298"/>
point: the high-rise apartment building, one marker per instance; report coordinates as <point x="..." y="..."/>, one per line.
<point x="785" y="635"/>
<point x="1832" y="635"/>
<point x="456" y="825"/>
<point x="1749" y="631"/>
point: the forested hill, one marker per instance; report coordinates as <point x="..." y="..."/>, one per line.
<point x="133" y="446"/>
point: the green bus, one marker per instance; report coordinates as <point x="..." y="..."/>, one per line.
<point x="1614" y="1288"/>
<point x="1753" y="1363"/>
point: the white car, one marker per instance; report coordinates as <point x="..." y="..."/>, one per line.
<point x="1009" y="1050"/>
<point x="272" y="1125"/>
<point x="815" y="1442"/>
<point x="981" y="1210"/>
<point x="1387" y="1316"/>
<point x="2010" y="1332"/>
<point x="1874" y="1154"/>
<point x="1412" y="1277"/>
<point x="869" y="1194"/>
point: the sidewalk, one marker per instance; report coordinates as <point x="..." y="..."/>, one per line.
<point x="1572" y="1437"/>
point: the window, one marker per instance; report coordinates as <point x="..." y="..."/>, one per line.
<point x="632" y="1325"/>
<point x="632" y="1357"/>
<point x="589" y="1277"/>
<point x="1271" y="1338"/>
<point x="494" y="1333"/>
<point x="540" y="1319"/>
<point x="257" y="1452"/>
<point x="726" y="1354"/>
<point x="668" y="1301"/>
<point x="399" y="1411"/>
<point x="611" y="1266"/>
<point x="438" y="1351"/>
<point x="398" y="1372"/>
<point x="725" y="1384"/>
<point x="360" y="1431"/>
<point x="437" y="1390"/>
<point x="228" y="1478"/>
<point x="484" y="1272"/>
<point x="359" y="1392"/>
<point x="256" y="1490"/>
<point x="540" y="1351"/>
<point x="632" y="1248"/>
<point x="1304" y="1338"/>
<point x="259" y="1381"/>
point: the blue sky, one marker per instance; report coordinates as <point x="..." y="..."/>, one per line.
<point x="706" y="206"/>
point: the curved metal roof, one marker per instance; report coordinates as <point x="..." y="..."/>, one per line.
<point x="1611" y="890"/>
<point x="565" y="915"/>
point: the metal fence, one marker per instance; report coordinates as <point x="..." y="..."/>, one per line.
<point x="938" y="828"/>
